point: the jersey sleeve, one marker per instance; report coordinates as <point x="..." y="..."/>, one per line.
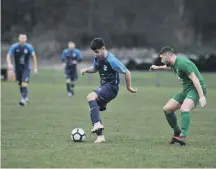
<point x="186" y="68"/>
<point x="11" y="50"/>
<point x="79" y="56"/>
<point x="94" y="64"/>
<point x="63" y="55"/>
<point x="32" y="51"/>
<point x="117" y="65"/>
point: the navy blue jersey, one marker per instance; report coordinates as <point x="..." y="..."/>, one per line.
<point x="109" y="69"/>
<point x="22" y="54"/>
<point x="68" y="56"/>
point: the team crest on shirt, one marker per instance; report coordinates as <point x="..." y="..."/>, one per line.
<point x="25" y="51"/>
<point x="17" y="50"/>
<point x="74" y="54"/>
<point x="105" y="67"/>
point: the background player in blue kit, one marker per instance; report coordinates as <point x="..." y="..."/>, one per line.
<point x="109" y="68"/>
<point x="70" y="57"/>
<point x="22" y="53"/>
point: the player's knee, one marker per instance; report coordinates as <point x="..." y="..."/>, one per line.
<point x="68" y="80"/>
<point x="184" y="108"/>
<point x="91" y="96"/>
<point x="188" y="105"/>
<point x="167" y="109"/>
<point x="24" y="84"/>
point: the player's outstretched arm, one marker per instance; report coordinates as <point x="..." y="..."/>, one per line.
<point x="88" y="70"/>
<point x="198" y="87"/>
<point x="164" y="67"/>
<point x="119" y="67"/>
<point x="128" y="82"/>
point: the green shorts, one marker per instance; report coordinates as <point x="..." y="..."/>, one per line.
<point x="190" y="94"/>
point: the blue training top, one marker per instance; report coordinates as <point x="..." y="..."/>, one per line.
<point x="22" y="54"/>
<point x="109" y="69"/>
<point x="69" y="55"/>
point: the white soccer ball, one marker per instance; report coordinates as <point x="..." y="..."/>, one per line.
<point x="78" y="135"/>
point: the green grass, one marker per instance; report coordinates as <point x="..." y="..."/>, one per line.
<point x="136" y="130"/>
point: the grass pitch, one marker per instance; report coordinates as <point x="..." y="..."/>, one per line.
<point x="135" y="127"/>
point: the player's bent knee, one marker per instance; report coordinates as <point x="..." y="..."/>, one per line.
<point x="185" y="109"/>
<point x="167" y="109"/>
<point x="24" y="84"/>
<point x="187" y="105"/>
<point x="92" y="96"/>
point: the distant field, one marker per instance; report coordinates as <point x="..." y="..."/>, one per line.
<point x="135" y="127"/>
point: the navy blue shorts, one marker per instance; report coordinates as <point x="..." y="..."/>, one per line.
<point x="107" y="92"/>
<point x="71" y="73"/>
<point x="22" y="75"/>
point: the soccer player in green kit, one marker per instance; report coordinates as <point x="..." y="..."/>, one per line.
<point x="194" y="92"/>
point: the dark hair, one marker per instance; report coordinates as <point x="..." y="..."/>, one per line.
<point x="165" y="50"/>
<point x="97" y="43"/>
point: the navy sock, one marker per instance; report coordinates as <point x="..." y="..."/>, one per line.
<point x="94" y="108"/>
<point x="21" y="91"/>
<point x="68" y="87"/>
<point x="24" y="92"/>
<point x="172" y="120"/>
<point x="72" y="88"/>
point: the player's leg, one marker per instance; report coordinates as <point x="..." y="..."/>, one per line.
<point x="68" y="81"/>
<point x="68" y="87"/>
<point x="103" y="95"/>
<point x="18" y="74"/>
<point x="95" y="117"/>
<point x="74" y="77"/>
<point x="185" y="109"/>
<point x="24" y="87"/>
<point x="190" y="102"/>
<point x="169" y="110"/>
<point x="19" y="80"/>
<point x="72" y="87"/>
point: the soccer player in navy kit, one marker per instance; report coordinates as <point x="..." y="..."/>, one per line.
<point x="22" y="53"/>
<point x="70" y="57"/>
<point x="109" y="68"/>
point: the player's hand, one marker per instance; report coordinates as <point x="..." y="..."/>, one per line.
<point x="74" y="62"/>
<point x="10" y="66"/>
<point x="35" y="71"/>
<point x="202" y="101"/>
<point x="132" y="90"/>
<point x="83" y="71"/>
<point x="154" y="67"/>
